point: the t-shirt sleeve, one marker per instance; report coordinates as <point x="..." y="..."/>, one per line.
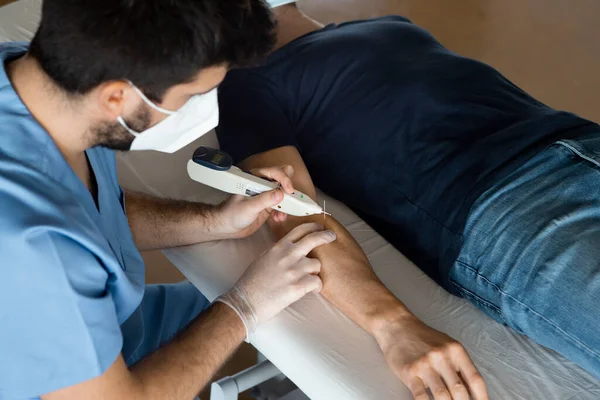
<point x="253" y="119"/>
<point x="58" y="322"/>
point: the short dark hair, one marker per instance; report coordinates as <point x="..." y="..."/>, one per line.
<point x="155" y="44"/>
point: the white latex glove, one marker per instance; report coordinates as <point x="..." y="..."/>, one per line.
<point x="278" y="278"/>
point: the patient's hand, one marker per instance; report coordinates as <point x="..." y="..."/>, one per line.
<point x="425" y="358"/>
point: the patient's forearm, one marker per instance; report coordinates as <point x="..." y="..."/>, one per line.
<point x="349" y="282"/>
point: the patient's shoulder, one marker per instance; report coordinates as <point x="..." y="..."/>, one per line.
<point x="247" y="83"/>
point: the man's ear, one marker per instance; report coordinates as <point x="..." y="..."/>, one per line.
<point x="116" y="98"/>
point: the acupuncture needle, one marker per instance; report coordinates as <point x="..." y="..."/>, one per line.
<point x="325" y="213"/>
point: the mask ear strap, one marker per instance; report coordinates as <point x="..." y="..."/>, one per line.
<point x="124" y="125"/>
<point x="147" y="100"/>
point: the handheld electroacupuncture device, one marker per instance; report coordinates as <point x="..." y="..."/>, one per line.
<point x="215" y="168"/>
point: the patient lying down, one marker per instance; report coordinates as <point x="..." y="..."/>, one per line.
<point x="423" y="144"/>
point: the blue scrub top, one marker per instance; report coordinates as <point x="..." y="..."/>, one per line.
<point x="71" y="273"/>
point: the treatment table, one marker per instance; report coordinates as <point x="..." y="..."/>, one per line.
<point x="324" y="353"/>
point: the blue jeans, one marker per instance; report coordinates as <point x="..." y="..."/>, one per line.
<point x="531" y="252"/>
<point x="165" y="311"/>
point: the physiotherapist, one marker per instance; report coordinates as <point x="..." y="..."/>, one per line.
<point x="76" y="320"/>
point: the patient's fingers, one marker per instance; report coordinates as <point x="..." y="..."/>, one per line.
<point x="432" y="380"/>
<point x="470" y="374"/>
<point x="453" y="382"/>
<point x="417" y="388"/>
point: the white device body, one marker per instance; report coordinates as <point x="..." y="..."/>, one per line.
<point x="236" y="181"/>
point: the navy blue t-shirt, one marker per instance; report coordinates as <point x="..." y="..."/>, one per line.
<point x="387" y="120"/>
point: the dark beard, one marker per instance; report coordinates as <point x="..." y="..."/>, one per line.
<point x="115" y="137"/>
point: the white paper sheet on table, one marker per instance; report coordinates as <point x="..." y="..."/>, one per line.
<point x="316" y="346"/>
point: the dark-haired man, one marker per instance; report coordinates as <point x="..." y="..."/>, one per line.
<point x="491" y="193"/>
<point x="76" y="320"/>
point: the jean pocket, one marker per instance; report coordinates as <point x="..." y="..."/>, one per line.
<point x="587" y="149"/>
<point x="490" y="309"/>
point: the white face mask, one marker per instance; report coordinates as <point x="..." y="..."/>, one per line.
<point x="198" y="116"/>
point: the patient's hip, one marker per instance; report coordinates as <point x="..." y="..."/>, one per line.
<point x="531" y="252"/>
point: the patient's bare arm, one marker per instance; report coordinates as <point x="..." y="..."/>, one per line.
<point x="421" y="356"/>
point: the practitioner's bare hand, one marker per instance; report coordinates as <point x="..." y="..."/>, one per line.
<point x="241" y="216"/>
<point x="424" y="359"/>
<point x="283" y="175"/>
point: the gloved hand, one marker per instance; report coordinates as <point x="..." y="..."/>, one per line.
<point x="278" y="278"/>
